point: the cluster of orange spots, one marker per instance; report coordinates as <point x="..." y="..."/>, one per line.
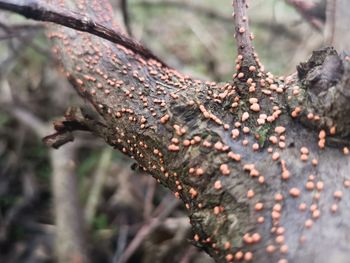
<point x="246" y="129"/>
<point x="259" y="206"/>
<point x="224" y="91"/>
<point x="338" y="194"/>
<point x="273" y="139"/>
<point x="207" y="144"/>
<point x="209" y="115"/>
<point x="245" y="116"/>
<point x="196" y="237"/>
<point x="280" y="129"/>
<point x="252" y="85"/>
<point x="254" y="104"/>
<point x="241" y="30"/>
<point x="234" y="156"/>
<point x="322" y="139"/>
<point x="347" y="183"/>
<point x="276" y="229"/>
<point x="245" y="142"/>
<point x="247" y="256"/>
<point x="255" y="147"/>
<point x="198" y="171"/>
<point x="253" y="172"/>
<point x="275" y="156"/>
<point x="218" y="209"/>
<point x="219" y="146"/>
<point x="263" y="118"/>
<point x="217" y="185"/>
<point x="251" y="239"/>
<point x="224" y="169"/>
<point x="304" y="153"/>
<point x="270" y="249"/>
<point x="173" y="148"/>
<point x="193" y="192"/>
<point x="296" y="90"/>
<point x="334" y="208"/>
<point x="227" y="245"/>
<point x="179" y="130"/>
<point x="276" y="213"/>
<point x="310" y="185"/>
<point x="195" y="140"/>
<point x="294" y="192"/>
<point x="296" y="112"/>
<point x="235" y="133"/>
<point x="178" y="185"/>
<point x="320" y="186"/>
<point x="250" y="194"/>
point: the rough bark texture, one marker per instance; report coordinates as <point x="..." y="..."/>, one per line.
<point x="259" y="164"/>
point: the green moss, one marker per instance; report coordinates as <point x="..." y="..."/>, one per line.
<point x="100" y="222"/>
<point x="263" y="132"/>
<point x="4" y="118"/>
<point x="88" y="164"/>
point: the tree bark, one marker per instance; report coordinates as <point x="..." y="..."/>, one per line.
<point x="261" y="164"/>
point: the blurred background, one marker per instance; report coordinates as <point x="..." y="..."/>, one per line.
<point x="85" y="195"/>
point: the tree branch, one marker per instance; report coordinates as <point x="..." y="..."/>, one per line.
<point x="313" y="13"/>
<point x="247" y="63"/>
<point x="70" y="235"/>
<point x="257" y="184"/>
<point x="337" y="24"/>
<point x="34" y="9"/>
<point x="126" y="16"/>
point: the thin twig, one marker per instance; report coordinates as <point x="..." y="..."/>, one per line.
<point x="313" y="13"/>
<point x="248" y="64"/>
<point x="97" y="184"/>
<point x="126" y="16"/>
<point x="147" y="229"/>
<point x="148" y="204"/>
<point x="35" y="10"/>
<point x="122" y="241"/>
<point x="331" y="22"/>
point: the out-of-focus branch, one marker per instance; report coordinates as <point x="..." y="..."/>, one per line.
<point x="97" y="184"/>
<point x="337" y="24"/>
<point x="70" y="238"/>
<point x="12" y="31"/>
<point x="126" y="16"/>
<point x="147" y="229"/>
<point x="215" y="15"/>
<point x="314" y="13"/>
<point x="70" y="243"/>
<point x="148" y="204"/>
<point x="31" y="121"/>
<point x="185" y="6"/>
